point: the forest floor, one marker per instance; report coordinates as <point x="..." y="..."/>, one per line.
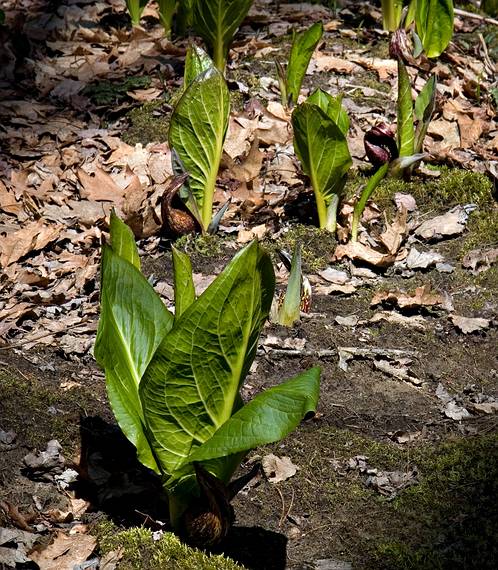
<point x="399" y="467"/>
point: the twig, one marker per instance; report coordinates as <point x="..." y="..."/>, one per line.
<point x="293" y="353"/>
<point x="472" y="16"/>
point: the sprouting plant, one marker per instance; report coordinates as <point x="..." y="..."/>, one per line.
<point x="320" y="127"/>
<point x="433" y="21"/>
<point x="297" y="296"/>
<point x="216" y="21"/>
<point x="397" y="156"/>
<point x="391" y="14"/>
<point x="197" y="131"/>
<point x="167" y="9"/>
<point x="303" y="46"/>
<point x="174" y="381"/>
<point x="135" y="9"/>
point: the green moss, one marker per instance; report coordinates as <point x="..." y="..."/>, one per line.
<point x="112" y="92"/>
<point x="205" y="246"/>
<point x="141" y="551"/>
<point x="454" y="186"/>
<point x="148" y="123"/>
<point x="482" y="229"/>
<point x="317" y="246"/>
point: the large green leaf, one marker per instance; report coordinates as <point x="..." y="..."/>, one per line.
<point x="191" y="386"/>
<point x="303" y="46"/>
<point x="197" y="131"/>
<point x="332" y="107"/>
<point x="216" y="21"/>
<point x="269" y="417"/>
<point x="434" y="21"/>
<point x="132" y="323"/>
<point x="184" y="284"/>
<point x="323" y="151"/>
<point x="391" y="14"/>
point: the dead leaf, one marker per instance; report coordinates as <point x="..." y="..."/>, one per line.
<point x="395" y="233"/>
<point x="398" y="371"/>
<point x="406" y="201"/>
<point x="423" y="297"/>
<point x="65" y="552"/>
<point x="100" y="186"/>
<point x="278" y="469"/>
<point x="416" y="321"/>
<point x="360" y="252"/>
<point x="245" y="236"/>
<point x="422" y="259"/>
<point x="468" y="325"/>
<point x="479" y="260"/>
<point x="323" y="62"/>
<point x="32" y="237"/>
<point x="450" y="224"/>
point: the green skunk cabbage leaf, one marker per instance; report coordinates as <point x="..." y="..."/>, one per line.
<point x="184" y="284"/>
<point x="133" y="321"/>
<point x="135" y="9"/>
<point x="191" y="386"/>
<point x="332" y="107"/>
<point x="123" y="241"/>
<point x="290" y="310"/>
<point x="405" y="130"/>
<point x="167" y="9"/>
<point x="424" y="108"/>
<point x="269" y="417"/>
<point x="197" y="131"/>
<point x="216" y="21"/>
<point x="196" y="62"/>
<point x="434" y="21"/>
<point x="323" y="151"/>
<point x="303" y="46"/>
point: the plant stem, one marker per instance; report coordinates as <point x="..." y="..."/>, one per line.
<point x="391" y="14"/>
<point x="371" y="185"/>
<point x="406" y="143"/>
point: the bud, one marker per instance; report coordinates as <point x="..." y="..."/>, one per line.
<point x="399" y="47"/>
<point x="380" y="144"/>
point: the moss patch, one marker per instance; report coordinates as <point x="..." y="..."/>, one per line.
<point x="112" y="92"/>
<point x="141" y="550"/>
<point x="149" y="123"/>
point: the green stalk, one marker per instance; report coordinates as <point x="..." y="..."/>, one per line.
<point x="391" y="14"/>
<point x="371" y="185"/>
<point x="134" y="10"/>
<point x="406" y="136"/>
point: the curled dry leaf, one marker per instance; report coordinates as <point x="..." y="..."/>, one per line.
<point x="32" y="237"/>
<point x="450" y="224"/>
<point x="278" y="469"/>
<point x="395" y="233"/>
<point x="360" y="252"/>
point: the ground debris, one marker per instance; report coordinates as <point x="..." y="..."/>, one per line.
<point x="469" y="325"/>
<point x="386" y="483"/>
<point x="422" y="297"/>
<point x="15" y="545"/>
<point x="45" y="465"/>
<point x="479" y="260"/>
<point x="65" y="552"/>
<point x="278" y="469"/>
<point x="448" y="225"/>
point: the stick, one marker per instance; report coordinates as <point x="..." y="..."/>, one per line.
<point x="472" y="16"/>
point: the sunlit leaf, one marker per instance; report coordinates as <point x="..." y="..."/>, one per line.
<point x="434" y="21"/>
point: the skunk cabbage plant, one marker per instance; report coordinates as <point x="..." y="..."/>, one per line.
<point x="320" y="128"/>
<point x="197" y="131"/>
<point x="302" y="49"/>
<point x="216" y="21"/>
<point x="135" y="9"/>
<point x="174" y="381"/>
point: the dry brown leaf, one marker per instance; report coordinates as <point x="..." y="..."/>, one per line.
<point x="246" y="236"/>
<point x="445" y="133"/>
<point x="321" y="62"/>
<point x="250" y="166"/>
<point x="237" y="142"/>
<point x="479" y="260"/>
<point x="100" y="186"/>
<point x="65" y="552"/>
<point x="395" y="233"/>
<point x="360" y="252"/>
<point x="278" y="469"/>
<point x="423" y="297"/>
<point x="32" y="237"/>
<point x="450" y="224"/>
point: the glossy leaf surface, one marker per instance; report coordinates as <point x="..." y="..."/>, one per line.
<point x="191" y="386"/>
<point x="332" y="107"/>
<point x="197" y="133"/>
<point x="434" y="21"/>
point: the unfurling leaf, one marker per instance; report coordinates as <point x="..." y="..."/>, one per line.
<point x="216" y="21"/>
<point x="303" y="46"/>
